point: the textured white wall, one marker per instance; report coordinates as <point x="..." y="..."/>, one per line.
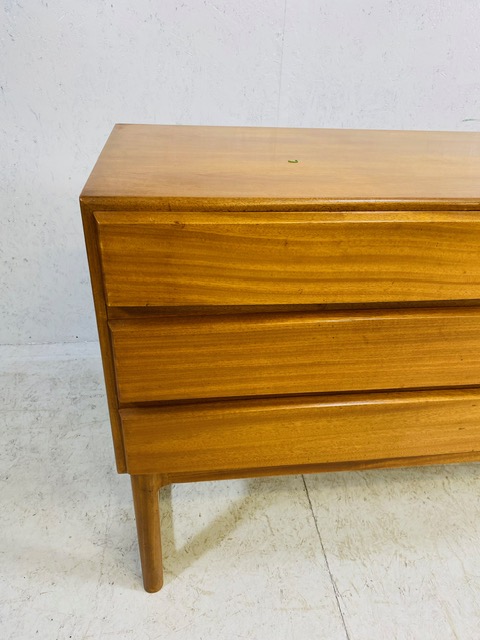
<point x="70" y="69"/>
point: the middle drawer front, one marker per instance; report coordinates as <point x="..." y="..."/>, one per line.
<point x="176" y="358"/>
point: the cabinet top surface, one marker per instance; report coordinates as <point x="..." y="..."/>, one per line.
<point x="254" y="164"/>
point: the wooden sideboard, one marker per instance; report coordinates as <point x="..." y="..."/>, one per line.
<point x="275" y="301"/>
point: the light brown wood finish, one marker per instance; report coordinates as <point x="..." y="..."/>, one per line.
<point x="326" y="467"/>
<point x="277" y="354"/>
<point x="180" y="166"/>
<point x="93" y="254"/>
<point x="147" y="514"/>
<point x="157" y="259"/>
<point x="220" y="269"/>
<point x="296" y="431"/>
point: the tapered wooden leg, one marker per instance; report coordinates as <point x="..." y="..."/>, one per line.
<point x="147" y="513"/>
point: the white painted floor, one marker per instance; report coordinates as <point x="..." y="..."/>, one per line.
<point x="388" y="555"/>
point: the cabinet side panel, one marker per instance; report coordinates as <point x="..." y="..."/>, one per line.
<point x="91" y="241"/>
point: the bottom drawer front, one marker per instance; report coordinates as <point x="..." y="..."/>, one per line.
<point x="259" y="434"/>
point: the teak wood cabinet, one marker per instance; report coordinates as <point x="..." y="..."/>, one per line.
<point x="278" y="301"/>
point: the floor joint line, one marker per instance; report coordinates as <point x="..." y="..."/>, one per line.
<point x="332" y="580"/>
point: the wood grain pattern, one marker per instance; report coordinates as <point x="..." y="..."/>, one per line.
<point x="325" y="467"/>
<point x="247" y="165"/>
<point x="300" y="431"/>
<point x="269" y="354"/>
<point x="158" y="259"/>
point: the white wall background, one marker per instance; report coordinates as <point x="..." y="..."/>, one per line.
<point x="70" y="69"/>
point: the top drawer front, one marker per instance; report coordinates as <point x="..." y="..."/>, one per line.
<point x="168" y="259"/>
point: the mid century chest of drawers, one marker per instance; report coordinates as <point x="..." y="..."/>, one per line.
<point x="278" y="301"/>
